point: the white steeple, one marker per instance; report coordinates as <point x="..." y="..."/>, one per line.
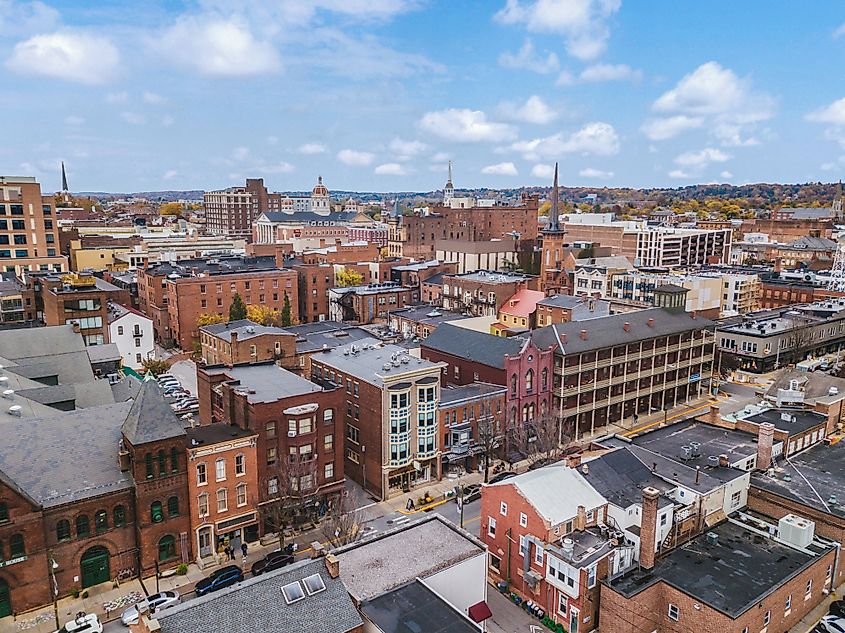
<point x="448" y="188"/>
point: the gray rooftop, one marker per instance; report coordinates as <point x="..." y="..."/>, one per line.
<point x="619" y="476"/>
<point x="311" y="337"/>
<point x="611" y="261"/>
<point x="454" y="394"/>
<point x="369" y="359"/>
<point x="815" y="385"/>
<point x="489" y="277"/>
<point x="266" y="382"/>
<point x="427" y="314"/>
<point x="731" y="576"/>
<point x="66" y="458"/>
<point x="415" y="608"/>
<point x="104" y="353"/>
<point x="480" y="347"/>
<point x="257" y="604"/>
<point x="799" y="420"/>
<point x="151" y="419"/>
<point x="582" y="307"/>
<point x="391" y="559"/>
<point x="245" y="329"/>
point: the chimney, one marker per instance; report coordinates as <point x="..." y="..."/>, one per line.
<point x="714" y="416"/>
<point x="332" y="565"/>
<point x="581" y="519"/>
<point x="697" y="474"/>
<point x="233" y="336"/>
<point x="563" y="337"/>
<point x="650" y="323"/>
<point x="692" y="314"/>
<point x="648" y="527"/>
<point x="574" y="461"/>
<point x="584" y="335"/>
<point x="778" y="265"/>
<point x="626" y="326"/>
<point x="765" y="437"/>
<point x="723" y="461"/>
<point x="585" y="468"/>
<point x="75" y="326"/>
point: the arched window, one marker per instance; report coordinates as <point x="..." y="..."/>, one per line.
<point x="513" y="414"/>
<point x="82" y="526"/>
<point x="162" y="464"/>
<point x="513" y="385"/>
<point x="63" y="530"/>
<point x="173" y="507"/>
<point x="148" y="458"/>
<point x="156" y="513"/>
<point x="119" y="516"/>
<point x="174" y="460"/>
<point x="525" y="413"/>
<point x="545" y="379"/>
<point x="166" y="548"/>
<point x="529" y="381"/>
<point x="101" y="521"/>
<point x="16" y="546"/>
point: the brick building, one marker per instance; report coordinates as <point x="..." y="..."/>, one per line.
<point x="554" y="278"/>
<point x="469" y="356"/>
<point x="367" y="304"/>
<point x="392" y="433"/>
<point x="568" y="308"/>
<point x="420" y="321"/>
<point x="414" y="275"/>
<point x="472" y="421"/>
<point x="313" y="284"/>
<point x="245" y="342"/>
<point x="29" y="232"/>
<point x="314" y="338"/>
<point x="17" y="301"/>
<point x="483" y="293"/>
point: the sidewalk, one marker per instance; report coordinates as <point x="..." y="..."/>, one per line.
<point x="809" y="621"/>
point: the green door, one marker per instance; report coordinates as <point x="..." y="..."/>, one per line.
<point x="95" y="566"/>
<point x="5" y="599"/>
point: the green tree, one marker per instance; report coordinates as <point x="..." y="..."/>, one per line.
<point x="237" y="310"/>
<point x="155" y="366"/>
<point x="209" y="319"/>
<point x="287" y="319"/>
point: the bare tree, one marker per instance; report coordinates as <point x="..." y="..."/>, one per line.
<point x="538" y="438"/>
<point x="345" y="522"/>
<point x="490" y="439"/>
<point x="291" y="494"/>
<point x="798" y="337"/>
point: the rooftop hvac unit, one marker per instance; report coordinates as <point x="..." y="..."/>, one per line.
<point x="796" y="531"/>
<point x="9" y="394"/>
<point x="15" y="410"/>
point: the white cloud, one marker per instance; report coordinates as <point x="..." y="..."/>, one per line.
<point x="69" y="55"/>
<point x="678" y="173"/>
<point x="170" y="174"/>
<point x="702" y="158"/>
<point x="565" y="78"/>
<point x="405" y="150"/>
<point x="610" y="72"/>
<point x="589" y="172"/>
<point x="440" y="157"/>
<point x="25" y="18"/>
<point x="501" y="169"/>
<point x="582" y="23"/>
<point x="391" y="169"/>
<point x="526" y="59"/>
<point x="726" y="175"/>
<point x="595" y="138"/>
<point x="73" y="120"/>
<point x="355" y="158"/>
<point x="312" y="148"/>
<point x="465" y="126"/>
<point x="543" y="171"/>
<point x="834" y="116"/>
<point x="153" y="98"/>
<point x="667" y="127"/>
<point x="217" y="47"/>
<point x="727" y="103"/>
<point x="117" y="97"/>
<point x="840" y="31"/>
<point x="133" y="118"/>
<point x="281" y="167"/>
<point x="534" y="110"/>
<point x="240" y="153"/>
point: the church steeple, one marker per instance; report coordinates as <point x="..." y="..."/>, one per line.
<point x="65" y="188"/>
<point x="554" y="211"/>
<point x="448" y="188"/>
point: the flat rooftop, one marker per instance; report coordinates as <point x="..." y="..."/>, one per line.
<point x="244" y="328"/>
<point x="427" y="314"/>
<point x="452" y="395"/>
<point x="373" y="362"/>
<point x="266" y="382"/>
<point x="491" y="277"/>
<point x="731" y="576"/>
<point x="793" y="421"/>
<point x="415" y="608"/>
<point x="414" y="550"/>
<point x="215" y="433"/>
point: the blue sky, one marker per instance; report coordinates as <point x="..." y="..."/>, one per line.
<point x="379" y="94"/>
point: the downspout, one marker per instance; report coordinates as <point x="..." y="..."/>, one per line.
<point x="509" y="540"/>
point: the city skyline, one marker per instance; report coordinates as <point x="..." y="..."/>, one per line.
<point x="379" y="95"/>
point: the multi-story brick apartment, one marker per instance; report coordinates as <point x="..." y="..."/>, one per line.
<point x="223" y="487"/>
<point x="420" y="321"/>
<point x="472" y="421"/>
<point x="29" y="232"/>
<point x="367" y="304"/>
<point x="470" y="356"/>
<point x="245" y="342"/>
<point x="392" y="433"/>
<point x="17" y="301"/>
<point x="483" y="293"/>
<point x="784" y="288"/>
<point x="770" y="339"/>
<point x="414" y="275"/>
<point x="567" y="308"/>
<point x="342" y="253"/>
<point x="314" y="338"/>
<point x="230" y="211"/>
<point x="299" y="428"/>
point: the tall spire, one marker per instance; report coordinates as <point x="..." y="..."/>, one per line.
<point x="554" y="211"/>
<point x="448" y="188"/>
<point x="450" y="173"/>
<point x="395" y="212"/>
<point x="65" y="188"/>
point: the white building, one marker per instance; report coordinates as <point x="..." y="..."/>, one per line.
<point x="132" y="332"/>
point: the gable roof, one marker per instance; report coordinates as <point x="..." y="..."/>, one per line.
<point x="619" y="476"/>
<point x="524" y="303"/>
<point x="151" y="419"/>
<point x="479" y="347"/>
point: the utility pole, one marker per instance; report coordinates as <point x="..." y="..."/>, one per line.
<point x="52" y="567"/>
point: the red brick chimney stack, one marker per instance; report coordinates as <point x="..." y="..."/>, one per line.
<point x="765" y="439"/>
<point x="648" y="527"/>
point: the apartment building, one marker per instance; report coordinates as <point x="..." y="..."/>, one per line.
<point x="567" y="308"/>
<point x="132" y="333"/>
<point x="593" y="277"/>
<point x="246" y="342"/>
<point x="392" y="434"/>
<point x="17" y="301"/>
<point x="367" y="304"/>
<point x="472" y="421"/>
<point x="29" y="232"/>
<point x="230" y="211"/>
<point x="519" y="313"/>
<point x="483" y="293"/>
<point x="704" y="294"/>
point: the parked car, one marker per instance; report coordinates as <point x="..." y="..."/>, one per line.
<point x="223" y="577"/>
<point x="165" y="375"/>
<point x="502" y="476"/>
<point x="472" y="492"/>
<point x="271" y="562"/>
<point x="830" y="624"/>
<point x="152" y="605"/>
<point x="837" y="608"/>
<point x="191" y="408"/>
<point x="164" y="379"/>
<point x="184" y="402"/>
<point x="83" y="623"/>
<point x="169" y="391"/>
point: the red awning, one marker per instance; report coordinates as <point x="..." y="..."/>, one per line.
<point x="480" y="612"/>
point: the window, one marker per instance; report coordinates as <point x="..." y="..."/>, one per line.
<point x="305" y="425"/>
<point x="271" y="455"/>
<point x="523" y="545"/>
<point x="16" y="546"/>
<point x="491" y="527"/>
<point x="202" y="475"/>
<point x="538" y="554"/>
<point x="156" y="512"/>
<point x="119" y="516"/>
<point x="352" y="433"/>
<point x="241" y="495"/>
<point x="271" y="429"/>
<point x="4" y="512"/>
<point x="222" y="500"/>
<point x="561" y="603"/>
<point x="293" y="592"/>
<point x="120" y="330"/>
<point x="314" y="584"/>
<point x="788" y="606"/>
<point x="220" y="469"/>
<point x="174" y="459"/>
<point x="63" y="530"/>
<point x="328" y="443"/>
<point x="809" y="591"/>
<point x="328" y="471"/>
<point x="591" y="576"/>
<point x="83" y="529"/>
<point x="735" y="499"/>
<point x="767" y="618"/>
<point x="101" y="521"/>
<point x="529" y="381"/>
<point x="148" y="458"/>
<point x="166" y="547"/>
<point x="523" y="519"/>
<point x="273" y="486"/>
<point x="240" y="465"/>
<point x="202" y="503"/>
<point x="674" y="612"/>
<point x="662" y="519"/>
<point x="173" y="507"/>
<point x="328" y="416"/>
<point x="503" y="509"/>
<point x="162" y="464"/>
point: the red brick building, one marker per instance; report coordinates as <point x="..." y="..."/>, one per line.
<point x="483" y="293"/>
<point x="246" y="342"/>
<point x="367" y="304"/>
<point x="472" y="421"/>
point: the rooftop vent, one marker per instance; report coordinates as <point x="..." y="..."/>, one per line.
<point x="712" y="538"/>
<point x="15" y="410"/>
<point x="9" y="394"/>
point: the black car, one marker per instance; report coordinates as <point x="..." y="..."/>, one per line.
<point x="837" y="608"/>
<point x="223" y="577"/>
<point x="271" y="562"/>
<point x="472" y="492"/>
<point x="502" y="476"/>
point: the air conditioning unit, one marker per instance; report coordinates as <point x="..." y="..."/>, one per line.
<point x="291" y="433"/>
<point x="796" y="531"/>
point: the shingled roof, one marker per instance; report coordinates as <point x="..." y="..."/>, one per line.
<point x="475" y="346"/>
<point x="151" y="419"/>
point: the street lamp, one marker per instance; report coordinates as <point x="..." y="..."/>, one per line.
<point x="53" y="566"/>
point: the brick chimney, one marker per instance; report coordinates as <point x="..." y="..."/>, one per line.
<point x="233" y="337"/>
<point x="332" y="565"/>
<point x="573" y="461"/>
<point x="714" y="416"/>
<point x="648" y="527"/>
<point x="584" y="335"/>
<point x="765" y="438"/>
<point x="75" y="326"/>
<point x="650" y="322"/>
<point x="581" y="519"/>
<point x="626" y="326"/>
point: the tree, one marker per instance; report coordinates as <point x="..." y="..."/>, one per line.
<point x="347" y="277"/>
<point x="728" y="363"/>
<point x="155" y="366"/>
<point x="489" y="440"/>
<point x="209" y="319"/>
<point x="265" y="315"/>
<point x="540" y="439"/>
<point x="345" y="521"/>
<point x="237" y="311"/>
<point x="291" y="493"/>
<point x="287" y="319"/>
<point x="171" y="208"/>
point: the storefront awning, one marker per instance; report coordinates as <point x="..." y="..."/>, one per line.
<point x="480" y="612"/>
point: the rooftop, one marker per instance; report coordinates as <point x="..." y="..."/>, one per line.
<point x="215" y="434"/>
<point x="454" y="395"/>
<point x="427" y="314"/>
<point x="772" y="322"/>
<point x="479" y="347"/>
<point x="619" y="476"/>
<point x="582" y="307"/>
<point x="311" y="337"/>
<point x="373" y="362"/>
<point x="490" y="277"/>
<point x="611" y="261"/>
<point x="523" y="303"/>
<point x="730" y="576"/>
<point x="104" y="353"/>
<point x="151" y="418"/>
<point x="370" y="289"/>
<point x="414" y="608"/>
<point x="793" y="421"/>
<point x="244" y="328"/>
<point x="382" y="563"/>
<point x="265" y="382"/>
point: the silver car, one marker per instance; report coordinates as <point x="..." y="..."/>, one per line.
<point x="152" y="605"/>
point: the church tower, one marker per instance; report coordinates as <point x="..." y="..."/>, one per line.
<point x="553" y="278"/>
<point x="65" y="188"/>
<point x="448" y="189"/>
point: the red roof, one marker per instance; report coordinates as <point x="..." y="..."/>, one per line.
<point x="523" y="303"/>
<point x="480" y="612"/>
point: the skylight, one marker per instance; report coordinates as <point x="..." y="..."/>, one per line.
<point x="314" y="584"/>
<point x="293" y="592"/>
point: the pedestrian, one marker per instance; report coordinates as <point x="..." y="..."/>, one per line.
<point x="230" y="553"/>
<point x="244" y="549"/>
